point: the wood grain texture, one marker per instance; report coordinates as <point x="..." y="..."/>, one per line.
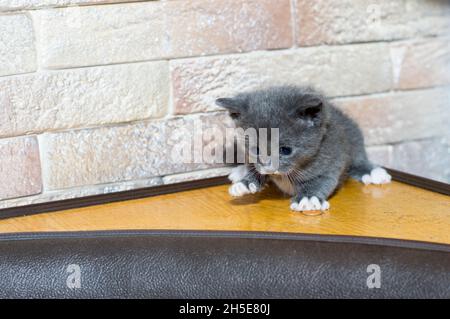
<point x="395" y="210"/>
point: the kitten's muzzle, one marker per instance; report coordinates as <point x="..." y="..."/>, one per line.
<point x="264" y="163"/>
<point x="267" y="170"/>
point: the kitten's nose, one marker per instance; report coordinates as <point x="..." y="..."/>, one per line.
<point x="265" y="160"/>
<point x="266" y="165"/>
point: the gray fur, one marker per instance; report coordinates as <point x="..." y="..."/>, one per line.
<point x="327" y="146"/>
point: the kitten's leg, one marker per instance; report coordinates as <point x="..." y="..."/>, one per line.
<point x="361" y="168"/>
<point x="313" y="194"/>
<point x="369" y="174"/>
<point x="246" y="180"/>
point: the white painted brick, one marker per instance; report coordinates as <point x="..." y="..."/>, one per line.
<point x="346" y="21"/>
<point x="380" y="155"/>
<point x="17" y="47"/>
<point x="421" y="63"/>
<point x="9" y="5"/>
<point x="338" y="71"/>
<point x="400" y="116"/>
<point x="93" y="35"/>
<point x="81" y="36"/>
<point x="79" y="192"/>
<point x="20" y="168"/>
<point x="83" y="97"/>
<point x="427" y="158"/>
<point x="196" y="175"/>
<point x="122" y="153"/>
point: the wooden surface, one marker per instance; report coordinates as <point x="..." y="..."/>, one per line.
<point x="395" y="211"/>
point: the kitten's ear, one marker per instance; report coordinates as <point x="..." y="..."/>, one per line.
<point x="310" y="110"/>
<point x="233" y="105"/>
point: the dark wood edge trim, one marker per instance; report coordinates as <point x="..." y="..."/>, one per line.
<point x="341" y="239"/>
<point x="178" y="187"/>
<point x="422" y="182"/>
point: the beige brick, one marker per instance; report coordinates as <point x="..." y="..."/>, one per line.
<point x="123" y="153"/>
<point x="395" y="117"/>
<point x="20" y="169"/>
<point x="95" y="35"/>
<point x="421" y="63"/>
<point x="196" y="175"/>
<point x="338" y="71"/>
<point x="427" y="158"/>
<point x="83" y="97"/>
<point x="9" y="5"/>
<point x="78" y="192"/>
<point x="17" y="52"/>
<point x="205" y="27"/>
<point x="380" y="155"/>
<point x="346" y="21"/>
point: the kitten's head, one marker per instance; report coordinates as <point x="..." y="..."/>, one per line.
<point x="300" y="114"/>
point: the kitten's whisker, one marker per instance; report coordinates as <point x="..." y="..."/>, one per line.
<point x="305" y="174"/>
<point x="301" y="177"/>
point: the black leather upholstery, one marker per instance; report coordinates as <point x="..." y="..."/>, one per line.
<point x="165" y="264"/>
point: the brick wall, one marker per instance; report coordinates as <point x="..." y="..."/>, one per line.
<point x="90" y="88"/>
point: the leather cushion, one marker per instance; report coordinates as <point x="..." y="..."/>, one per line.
<point x="187" y="264"/>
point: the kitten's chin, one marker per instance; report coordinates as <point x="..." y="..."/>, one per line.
<point x="266" y="171"/>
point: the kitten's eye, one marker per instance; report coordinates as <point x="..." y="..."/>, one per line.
<point x="285" y="150"/>
<point x="234" y="115"/>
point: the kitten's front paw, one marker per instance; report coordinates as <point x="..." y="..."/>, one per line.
<point x="240" y="189"/>
<point x="238" y="173"/>
<point x="311" y="203"/>
<point x="377" y="176"/>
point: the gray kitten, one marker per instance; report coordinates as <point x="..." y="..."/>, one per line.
<point x="319" y="146"/>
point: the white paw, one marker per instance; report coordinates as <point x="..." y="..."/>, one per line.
<point x="238" y="173"/>
<point x="312" y="203"/>
<point x="377" y="176"/>
<point x="238" y="190"/>
<point x="252" y="188"/>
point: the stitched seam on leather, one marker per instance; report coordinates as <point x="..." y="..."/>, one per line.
<point x="400" y="243"/>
